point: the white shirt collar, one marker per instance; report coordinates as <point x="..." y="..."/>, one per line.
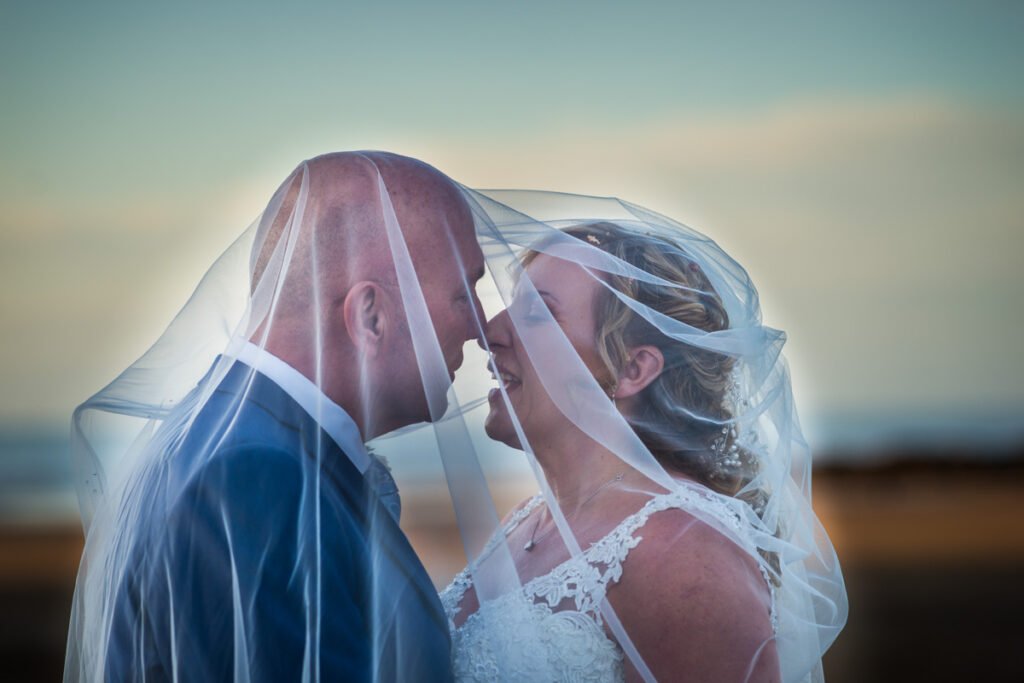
<point x="331" y="417"/>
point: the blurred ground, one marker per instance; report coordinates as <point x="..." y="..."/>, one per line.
<point x="933" y="556"/>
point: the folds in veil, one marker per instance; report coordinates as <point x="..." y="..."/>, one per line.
<point x="655" y="411"/>
<point x="237" y="526"/>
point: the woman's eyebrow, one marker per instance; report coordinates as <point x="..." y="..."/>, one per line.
<point x="547" y="295"/>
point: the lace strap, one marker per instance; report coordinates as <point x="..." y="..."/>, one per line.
<point x="456" y="590"/>
<point x="586" y="578"/>
<point x="612" y="550"/>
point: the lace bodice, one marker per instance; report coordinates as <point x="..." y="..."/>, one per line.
<point x="523" y="636"/>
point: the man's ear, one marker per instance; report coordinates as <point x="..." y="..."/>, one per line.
<point x="365" y="316"/>
<point x="643" y="365"/>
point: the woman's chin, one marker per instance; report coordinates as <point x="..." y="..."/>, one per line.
<point x="499" y="427"/>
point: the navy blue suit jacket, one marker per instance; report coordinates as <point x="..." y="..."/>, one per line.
<point x="238" y="570"/>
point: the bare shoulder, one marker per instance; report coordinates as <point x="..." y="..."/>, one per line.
<point x="693" y="601"/>
<point x="681" y="549"/>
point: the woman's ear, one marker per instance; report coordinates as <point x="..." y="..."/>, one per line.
<point x="643" y="365"/>
<point x="365" y="317"/>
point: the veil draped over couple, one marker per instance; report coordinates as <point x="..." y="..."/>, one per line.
<point x="239" y="528"/>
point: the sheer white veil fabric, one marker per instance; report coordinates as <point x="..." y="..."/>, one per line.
<point x="734" y="437"/>
<point x="236" y="525"/>
<point x="151" y="438"/>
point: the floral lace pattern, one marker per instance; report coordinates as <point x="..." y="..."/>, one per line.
<point x="533" y="643"/>
<point x="521" y="635"/>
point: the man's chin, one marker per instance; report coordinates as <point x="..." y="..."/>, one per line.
<point x="419" y="412"/>
<point x="441" y="401"/>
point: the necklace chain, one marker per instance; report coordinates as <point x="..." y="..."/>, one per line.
<point x="532" y="543"/>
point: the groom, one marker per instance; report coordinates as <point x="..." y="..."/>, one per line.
<point x="276" y="555"/>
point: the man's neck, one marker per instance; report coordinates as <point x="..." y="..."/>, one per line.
<point x="333" y="417"/>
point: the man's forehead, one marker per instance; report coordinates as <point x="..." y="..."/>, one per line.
<point x="440" y="218"/>
<point x="435" y="217"/>
<point x="470" y="256"/>
<point x="432" y="204"/>
<point x="471" y="253"/>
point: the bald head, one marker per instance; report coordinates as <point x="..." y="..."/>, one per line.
<point x="330" y="206"/>
<point x="324" y="274"/>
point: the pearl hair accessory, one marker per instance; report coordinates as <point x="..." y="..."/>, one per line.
<point x="726" y="450"/>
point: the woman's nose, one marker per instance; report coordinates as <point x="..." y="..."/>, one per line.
<point x="496" y="332"/>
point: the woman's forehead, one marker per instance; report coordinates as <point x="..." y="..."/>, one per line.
<point x="571" y="285"/>
<point x="552" y="267"/>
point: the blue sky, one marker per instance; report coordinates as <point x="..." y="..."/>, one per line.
<point x="184" y="81"/>
<point x="863" y="160"/>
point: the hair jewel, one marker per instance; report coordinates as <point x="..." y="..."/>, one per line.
<point x="726" y="453"/>
<point x="593" y="239"/>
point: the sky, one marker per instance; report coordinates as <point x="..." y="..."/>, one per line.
<point x="862" y="160"/>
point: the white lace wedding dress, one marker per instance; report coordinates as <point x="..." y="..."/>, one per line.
<point x="522" y="636"/>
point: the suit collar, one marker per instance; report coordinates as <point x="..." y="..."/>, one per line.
<point x="242" y="382"/>
<point x="362" y="498"/>
<point x="331" y="417"/>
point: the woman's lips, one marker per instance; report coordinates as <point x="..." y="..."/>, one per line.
<point x="506" y="378"/>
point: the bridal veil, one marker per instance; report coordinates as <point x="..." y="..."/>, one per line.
<point x="276" y="304"/>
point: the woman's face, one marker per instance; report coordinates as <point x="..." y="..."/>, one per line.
<point x="568" y="292"/>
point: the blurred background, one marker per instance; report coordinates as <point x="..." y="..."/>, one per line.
<point x="864" y="161"/>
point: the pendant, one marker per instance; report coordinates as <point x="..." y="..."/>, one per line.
<point x="529" y="545"/>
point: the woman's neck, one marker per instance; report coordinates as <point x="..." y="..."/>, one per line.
<point x="576" y="466"/>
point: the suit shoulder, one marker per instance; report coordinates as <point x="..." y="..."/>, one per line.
<point x="254" y="461"/>
<point x="246" y="476"/>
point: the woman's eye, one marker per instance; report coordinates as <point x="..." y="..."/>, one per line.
<point x="535" y="311"/>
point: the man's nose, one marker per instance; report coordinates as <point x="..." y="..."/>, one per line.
<point x="478" y="322"/>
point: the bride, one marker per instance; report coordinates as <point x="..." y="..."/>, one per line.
<point x="666" y="545"/>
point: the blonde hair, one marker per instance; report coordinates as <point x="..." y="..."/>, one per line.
<point x="694" y="380"/>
